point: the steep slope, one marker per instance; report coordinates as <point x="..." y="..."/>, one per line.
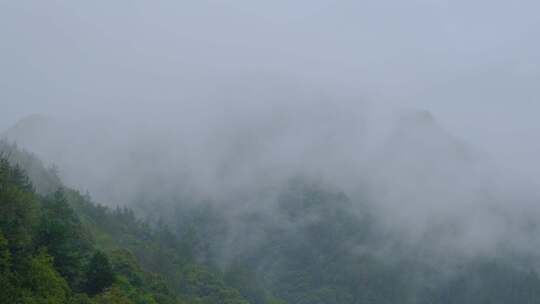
<point x="424" y="224"/>
<point x="62" y="248"/>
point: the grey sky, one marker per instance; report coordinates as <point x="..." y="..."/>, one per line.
<point x="474" y="64"/>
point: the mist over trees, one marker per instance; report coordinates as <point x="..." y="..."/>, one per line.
<point x="424" y="222"/>
<point x="269" y="152"/>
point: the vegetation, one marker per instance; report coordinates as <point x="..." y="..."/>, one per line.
<point x="60" y="247"/>
<point x="57" y="246"/>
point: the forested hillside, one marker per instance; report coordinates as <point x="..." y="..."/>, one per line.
<point x="57" y="246"/>
<point x="270" y="152"/>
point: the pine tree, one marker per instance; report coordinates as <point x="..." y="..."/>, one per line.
<point x="99" y="274"/>
<point x="61" y="232"/>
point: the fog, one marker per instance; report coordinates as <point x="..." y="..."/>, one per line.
<point x="428" y="108"/>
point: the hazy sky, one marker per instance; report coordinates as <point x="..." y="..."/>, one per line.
<point x="474" y="64"/>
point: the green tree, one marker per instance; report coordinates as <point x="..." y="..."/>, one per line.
<point x="5" y="258"/>
<point x="17" y="208"/>
<point x="113" y="296"/>
<point x="99" y="274"/>
<point x="61" y="232"/>
<point x="8" y="290"/>
<point x="43" y="283"/>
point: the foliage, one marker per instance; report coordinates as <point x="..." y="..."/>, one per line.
<point x="42" y="283"/>
<point x="61" y="232"/>
<point x="99" y="274"/>
<point x="57" y="246"/>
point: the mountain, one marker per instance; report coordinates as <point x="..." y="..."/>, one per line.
<point x="60" y="247"/>
<point x="424" y="224"/>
